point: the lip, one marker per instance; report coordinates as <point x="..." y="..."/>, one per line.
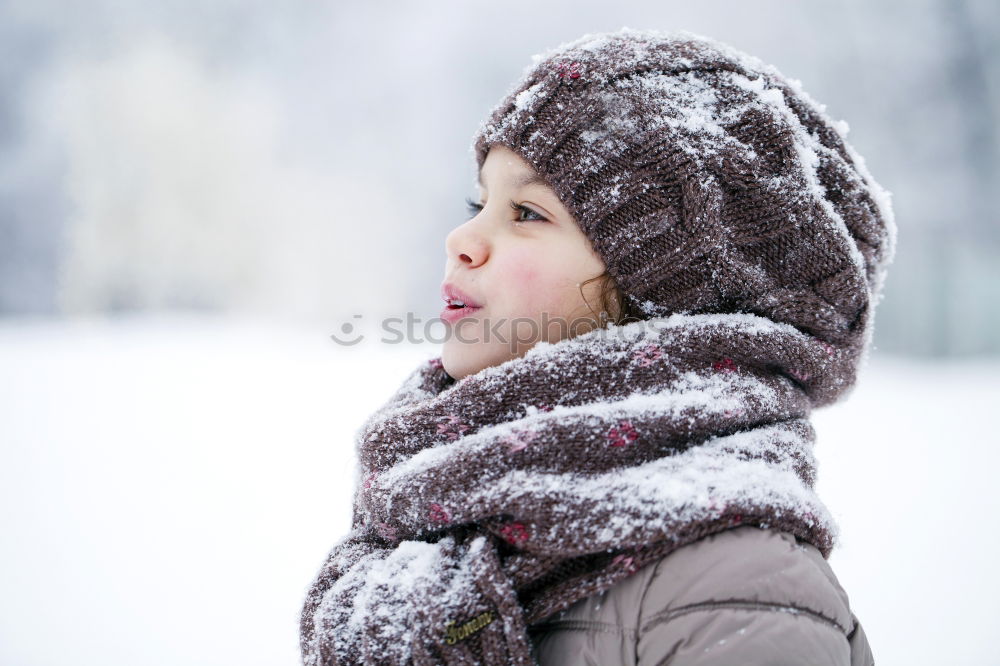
<point x="451" y="315"/>
<point x="450" y="292"/>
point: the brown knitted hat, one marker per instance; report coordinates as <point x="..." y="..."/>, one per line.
<point x="706" y="180"/>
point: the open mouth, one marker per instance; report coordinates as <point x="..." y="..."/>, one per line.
<point x="457" y="303"/>
<point x="456" y="309"/>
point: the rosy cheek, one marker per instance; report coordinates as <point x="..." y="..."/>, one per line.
<point x="534" y="282"/>
<point x="536" y="289"/>
<point x="516" y="269"/>
<point x="524" y="275"/>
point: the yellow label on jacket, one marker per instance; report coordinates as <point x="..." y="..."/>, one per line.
<point x="455" y="634"/>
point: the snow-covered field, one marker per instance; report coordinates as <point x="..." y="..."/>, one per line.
<point x="170" y="485"/>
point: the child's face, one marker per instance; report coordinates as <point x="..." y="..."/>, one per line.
<point x="523" y="267"/>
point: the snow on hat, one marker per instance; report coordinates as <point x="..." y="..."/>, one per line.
<point x="705" y="180"/>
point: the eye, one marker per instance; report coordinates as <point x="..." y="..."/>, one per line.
<point x="473" y="207"/>
<point x="520" y="208"/>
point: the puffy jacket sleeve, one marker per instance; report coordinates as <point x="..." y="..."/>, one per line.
<point x="748" y="596"/>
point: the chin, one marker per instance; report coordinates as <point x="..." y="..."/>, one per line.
<point x="456" y="364"/>
<point x="463" y="360"/>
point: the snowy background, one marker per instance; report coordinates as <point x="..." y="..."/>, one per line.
<point x="195" y="195"/>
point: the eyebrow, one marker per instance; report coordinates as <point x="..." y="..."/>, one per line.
<point x="523" y="181"/>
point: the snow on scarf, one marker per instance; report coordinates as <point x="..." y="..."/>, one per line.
<point x="487" y="504"/>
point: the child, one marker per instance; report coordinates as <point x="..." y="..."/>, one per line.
<point x="697" y="254"/>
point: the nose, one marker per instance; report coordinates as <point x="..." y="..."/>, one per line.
<point x="467" y="244"/>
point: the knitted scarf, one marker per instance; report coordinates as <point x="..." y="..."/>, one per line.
<point x="485" y="505"/>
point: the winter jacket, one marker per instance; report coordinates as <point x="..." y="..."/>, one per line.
<point x="745" y="596"/>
